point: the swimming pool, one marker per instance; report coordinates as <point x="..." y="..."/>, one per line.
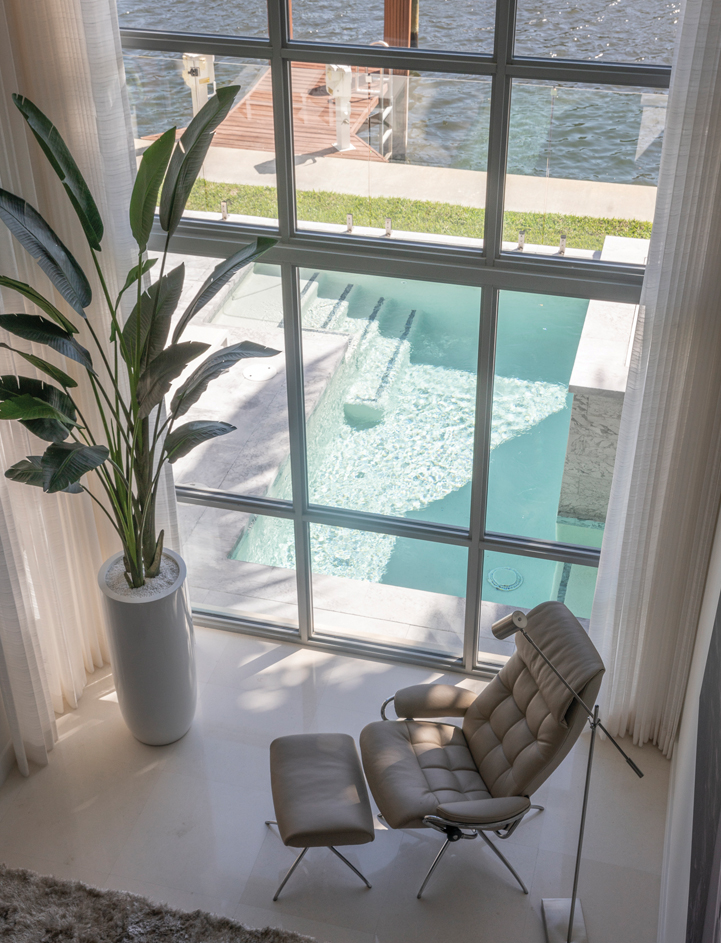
<point x="393" y="433"/>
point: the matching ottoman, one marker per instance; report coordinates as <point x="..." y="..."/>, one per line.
<point x="319" y="795"/>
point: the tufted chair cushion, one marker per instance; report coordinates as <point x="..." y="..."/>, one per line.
<point x="561" y="638"/>
<point x="518" y="725"/>
<point x="413" y="766"/>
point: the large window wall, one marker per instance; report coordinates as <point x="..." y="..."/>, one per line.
<point x="463" y="220"/>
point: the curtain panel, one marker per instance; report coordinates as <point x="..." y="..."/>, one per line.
<point x="66" y="57"/>
<point x="667" y="483"/>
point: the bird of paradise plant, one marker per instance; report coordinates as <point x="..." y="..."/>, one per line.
<point x="138" y="435"/>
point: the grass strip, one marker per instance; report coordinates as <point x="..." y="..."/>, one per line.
<point x="422" y="216"/>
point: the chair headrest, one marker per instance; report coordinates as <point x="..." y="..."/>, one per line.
<point x="562" y="639"/>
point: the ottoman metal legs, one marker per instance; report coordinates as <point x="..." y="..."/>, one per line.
<point x="298" y="860"/>
<point x="319" y="795"/>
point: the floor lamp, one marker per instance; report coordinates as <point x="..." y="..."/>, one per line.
<point x="563" y="917"/>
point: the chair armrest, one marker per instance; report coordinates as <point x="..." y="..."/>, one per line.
<point x="433" y="700"/>
<point x="485" y="811"/>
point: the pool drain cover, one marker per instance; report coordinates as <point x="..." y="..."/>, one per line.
<point x="505" y="578"/>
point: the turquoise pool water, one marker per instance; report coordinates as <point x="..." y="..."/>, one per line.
<point x="393" y="434"/>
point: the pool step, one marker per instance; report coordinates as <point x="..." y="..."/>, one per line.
<point x="259" y="296"/>
<point x="379" y="361"/>
<point x="326" y="314"/>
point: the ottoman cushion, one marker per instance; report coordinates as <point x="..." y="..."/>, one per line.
<point x="319" y="792"/>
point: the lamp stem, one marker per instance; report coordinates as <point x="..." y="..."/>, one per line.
<point x="574" y="893"/>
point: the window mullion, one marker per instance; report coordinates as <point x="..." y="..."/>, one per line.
<point x="278" y="28"/>
<point x="296" y="430"/>
<point x="481" y="458"/>
<point x="498" y="129"/>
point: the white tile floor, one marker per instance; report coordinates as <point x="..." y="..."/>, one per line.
<point x="184" y="823"/>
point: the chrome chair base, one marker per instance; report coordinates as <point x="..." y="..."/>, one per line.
<point x="298" y="860"/>
<point x="454" y="832"/>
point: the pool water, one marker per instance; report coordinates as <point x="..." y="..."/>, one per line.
<point x="393" y="434"/>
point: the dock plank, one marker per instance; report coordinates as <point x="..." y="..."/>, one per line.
<point x="249" y="126"/>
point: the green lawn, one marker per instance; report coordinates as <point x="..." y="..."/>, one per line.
<point x="582" y="232"/>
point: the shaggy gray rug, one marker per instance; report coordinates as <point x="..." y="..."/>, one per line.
<point x="36" y="909"/>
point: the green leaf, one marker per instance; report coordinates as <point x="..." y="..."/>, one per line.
<point x="222" y="360"/>
<point x="154" y="327"/>
<point x="64" y="463"/>
<point x="62" y="162"/>
<point x="183" y="439"/>
<point x="51" y="430"/>
<point x="29" y="407"/>
<point x="50" y="369"/>
<point x="160" y="373"/>
<point x="28" y="471"/>
<point x="41" y="331"/>
<point x="220" y="276"/>
<point x="144" y="199"/>
<point x="189" y="155"/>
<point x="40" y="301"/>
<point x="53" y="257"/>
<point x="136" y="272"/>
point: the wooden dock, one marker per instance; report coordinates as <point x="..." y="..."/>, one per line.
<point x="249" y="126"/>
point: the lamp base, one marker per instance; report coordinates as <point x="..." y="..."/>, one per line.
<point x="556" y="911"/>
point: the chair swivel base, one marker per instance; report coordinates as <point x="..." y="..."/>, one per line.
<point x="300" y="858"/>
<point x="490" y="844"/>
<point x="456" y="832"/>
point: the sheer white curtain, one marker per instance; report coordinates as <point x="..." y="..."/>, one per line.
<point x="667" y="485"/>
<point x="66" y="57"/>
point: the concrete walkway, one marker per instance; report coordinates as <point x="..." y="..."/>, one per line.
<point x="437" y="184"/>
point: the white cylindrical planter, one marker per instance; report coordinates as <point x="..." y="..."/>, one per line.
<point x="153" y="658"/>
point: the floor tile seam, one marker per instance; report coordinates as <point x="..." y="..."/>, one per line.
<point x="131" y="826"/>
<point x="247" y="791"/>
<point x="587" y="859"/>
<point x="242" y="689"/>
<point x="595" y="859"/>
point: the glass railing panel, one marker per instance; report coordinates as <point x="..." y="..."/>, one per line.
<point x="389" y="153"/>
<point x="583" y="167"/>
<point x="237" y="179"/>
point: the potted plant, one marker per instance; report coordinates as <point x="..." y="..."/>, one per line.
<point x="133" y="434"/>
